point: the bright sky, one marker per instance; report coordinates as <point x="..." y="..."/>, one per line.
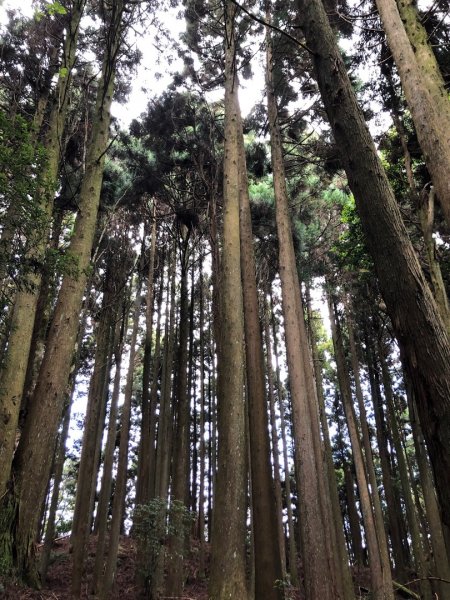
<point x="154" y="73"/>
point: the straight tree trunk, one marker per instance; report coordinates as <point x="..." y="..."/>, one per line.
<point x="122" y="465"/>
<point x="382" y="587"/>
<point x="353" y="517"/>
<point x="274" y="440"/>
<point x="180" y="462"/>
<point x="368" y="452"/>
<point x="411" y="510"/>
<point x="32" y="464"/>
<point x="437" y="538"/>
<point x="321" y="564"/>
<point x="228" y="559"/>
<point x="143" y="478"/>
<point x="93" y="432"/>
<point x="416" y="319"/>
<point x="265" y="532"/>
<point x="330" y="470"/>
<point x="394" y="509"/>
<point x="108" y="462"/>
<point x="293" y="570"/>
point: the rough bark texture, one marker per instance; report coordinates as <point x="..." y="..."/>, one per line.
<point x="330" y="471"/>
<point x="122" y="463"/>
<point x="382" y="588"/>
<point x="14" y="370"/>
<point x="415" y="317"/>
<point x="228" y="560"/>
<point x="321" y="564"/>
<point x="33" y="458"/>
<point x="265" y="532"/>
<point x="180" y="461"/>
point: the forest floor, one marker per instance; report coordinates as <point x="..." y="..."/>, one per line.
<point x="57" y="586"/>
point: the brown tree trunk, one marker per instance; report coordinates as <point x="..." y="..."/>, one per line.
<point x="411" y="510"/>
<point x="322" y="572"/>
<point x="228" y="559"/>
<point x="93" y="430"/>
<point x="416" y="320"/>
<point x="265" y="533"/>
<point x="394" y="509"/>
<point x="427" y="100"/>
<point x="180" y="462"/>
<point x="330" y="470"/>
<point x="19" y="342"/>
<point x="108" y="462"/>
<point x="143" y="477"/>
<point x="274" y="440"/>
<point x="122" y="465"/>
<point x="382" y="587"/>
<point x="293" y="570"/>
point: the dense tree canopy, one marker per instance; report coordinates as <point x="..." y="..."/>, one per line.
<point x="225" y="334"/>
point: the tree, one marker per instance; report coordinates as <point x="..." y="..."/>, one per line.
<point x="227" y="578"/>
<point x="418" y="326"/>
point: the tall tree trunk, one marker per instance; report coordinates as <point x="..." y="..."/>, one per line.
<point x="274" y="440"/>
<point x="382" y="587"/>
<point x="143" y="477"/>
<point x="93" y="432"/>
<point x="14" y="370"/>
<point x="32" y="464"/>
<point x="228" y="559"/>
<point x="330" y="470"/>
<point x="411" y="511"/>
<point x="265" y="532"/>
<point x="426" y="98"/>
<point x="322" y="571"/>
<point x="416" y="320"/>
<point x="58" y="474"/>
<point x="180" y="462"/>
<point x="108" y="462"/>
<point x="368" y="453"/>
<point x="353" y="517"/>
<point x="394" y="508"/>
<point x="293" y="570"/>
<point x="122" y="465"/>
<point x="440" y="552"/>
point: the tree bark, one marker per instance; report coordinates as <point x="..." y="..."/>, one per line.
<point x="413" y="311"/>
<point x="228" y="559"/>
<point x="426" y="97"/>
<point x="382" y="587"/>
<point x="14" y="369"/>
<point x="122" y="465"/>
<point x="265" y="532"/>
<point x="322" y="572"/>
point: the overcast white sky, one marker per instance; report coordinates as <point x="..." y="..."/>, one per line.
<point x="153" y="75"/>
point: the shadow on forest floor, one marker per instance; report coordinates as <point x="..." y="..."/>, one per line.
<point x="57" y="586"/>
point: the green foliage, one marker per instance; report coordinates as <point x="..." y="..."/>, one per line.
<point x="154" y="523"/>
<point x="22" y="183"/>
<point x="54" y="8"/>
<point x="350" y="249"/>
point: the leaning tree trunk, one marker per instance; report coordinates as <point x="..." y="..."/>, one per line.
<point x="228" y="559"/>
<point x="413" y="311"/>
<point x="32" y="462"/>
<point x="425" y="95"/>
<point x="15" y="367"/>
